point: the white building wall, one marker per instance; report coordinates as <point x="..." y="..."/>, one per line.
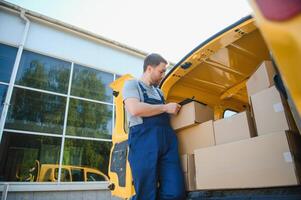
<point x="11" y="28"/>
<point x="57" y="42"/>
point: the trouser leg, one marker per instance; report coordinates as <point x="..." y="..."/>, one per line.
<point x="143" y="157"/>
<point x="170" y="173"/>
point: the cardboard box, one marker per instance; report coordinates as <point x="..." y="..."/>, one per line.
<point x="261" y="79"/>
<point x="188" y="167"/>
<point x="237" y="127"/>
<point x="184" y="163"/>
<point x="195" y="137"/>
<point x="271" y="112"/>
<point x="191" y="114"/>
<point x="265" y="161"/>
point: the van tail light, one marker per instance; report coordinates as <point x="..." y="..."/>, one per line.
<point x="279" y="10"/>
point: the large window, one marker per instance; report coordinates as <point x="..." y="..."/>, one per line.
<point x="3" y="90"/>
<point x="93" y="155"/>
<point x="28" y="157"/>
<point x="36" y="111"/>
<point x="92" y="84"/>
<point x="45" y="112"/>
<point x="43" y="72"/>
<point x="89" y="119"/>
<point x="7" y="60"/>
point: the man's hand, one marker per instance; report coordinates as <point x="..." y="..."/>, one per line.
<point x="172" y="108"/>
<point x="141" y="109"/>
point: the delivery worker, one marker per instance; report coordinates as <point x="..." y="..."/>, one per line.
<point x="153" y="147"/>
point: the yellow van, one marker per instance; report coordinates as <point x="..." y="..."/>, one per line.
<point x="70" y="173"/>
<point x="215" y="73"/>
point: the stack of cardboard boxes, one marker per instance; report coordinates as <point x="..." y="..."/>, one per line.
<point x="229" y="153"/>
<point x="194" y="126"/>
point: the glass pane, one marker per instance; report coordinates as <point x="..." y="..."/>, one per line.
<point x="3" y="90"/>
<point x="95" y="177"/>
<point x="29" y="158"/>
<point x="43" y="72"/>
<point x="36" y="111"/>
<point x="229" y="113"/>
<point x="86" y="156"/>
<point x="92" y="84"/>
<point x="77" y="174"/>
<point x="89" y="119"/>
<point x="7" y="61"/>
<point x="65" y="177"/>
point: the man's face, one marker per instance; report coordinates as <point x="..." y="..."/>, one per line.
<point x="157" y="73"/>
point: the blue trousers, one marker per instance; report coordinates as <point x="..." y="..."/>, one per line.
<point x="155" y="163"/>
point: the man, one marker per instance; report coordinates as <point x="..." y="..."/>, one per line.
<point x="153" y="146"/>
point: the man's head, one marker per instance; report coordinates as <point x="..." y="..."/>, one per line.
<point x="154" y="68"/>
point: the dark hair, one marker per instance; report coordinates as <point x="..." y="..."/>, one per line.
<point x="153" y="60"/>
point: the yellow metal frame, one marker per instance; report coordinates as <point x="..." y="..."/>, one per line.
<point x="284" y="41"/>
<point x="120" y="135"/>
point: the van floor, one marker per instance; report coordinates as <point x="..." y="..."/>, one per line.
<point x="281" y="193"/>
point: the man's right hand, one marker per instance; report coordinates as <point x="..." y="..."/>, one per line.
<point x="172" y="108"/>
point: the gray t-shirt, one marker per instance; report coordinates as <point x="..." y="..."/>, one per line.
<point x="131" y="89"/>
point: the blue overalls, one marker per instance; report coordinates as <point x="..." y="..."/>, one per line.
<point x="154" y="157"/>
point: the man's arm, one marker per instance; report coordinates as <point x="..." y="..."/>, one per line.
<point x="135" y="107"/>
<point x="141" y="109"/>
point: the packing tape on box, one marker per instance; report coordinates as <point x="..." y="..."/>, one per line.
<point x="278" y="107"/>
<point x="288" y="157"/>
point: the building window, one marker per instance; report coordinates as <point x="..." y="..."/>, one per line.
<point x="3" y="90"/>
<point x="7" y="61"/>
<point x="92" y="84"/>
<point x="28" y="158"/>
<point x="92" y="156"/>
<point x="43" y="72"/>
<point x="36" y="127"/>
<point x="89" y="119"/>
<point x="36" y="111"/>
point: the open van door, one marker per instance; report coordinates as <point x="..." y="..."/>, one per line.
<point x="279" y="23"/>
<point x="119" y="168"/>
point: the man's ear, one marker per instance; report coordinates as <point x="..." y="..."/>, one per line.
<point x="149" y="68"/>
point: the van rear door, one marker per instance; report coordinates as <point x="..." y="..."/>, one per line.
<point x="119" y="168"/>
<point x="279" y="23"/>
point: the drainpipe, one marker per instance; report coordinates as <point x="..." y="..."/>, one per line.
<point x="14" y="73"/>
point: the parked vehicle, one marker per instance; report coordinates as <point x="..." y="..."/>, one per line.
<point x="70" y="173"/>
<point x="215" y="73"/>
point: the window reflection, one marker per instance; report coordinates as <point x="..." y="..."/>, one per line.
<point x="28" y="157"/>
<point x="95" y="177"/>
<point x="3" y="90"/>
<point x="77" y="174"/>
<point x="89" y="119"/>
<point x="86" y="157"/>
<point x="92" y="84"/>
<point x="7" y="61"/>
<point x="36" y="111"/>
<point x="43" y="72"/>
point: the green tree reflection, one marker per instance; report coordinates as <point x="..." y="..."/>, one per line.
<point x="88" y="118"/>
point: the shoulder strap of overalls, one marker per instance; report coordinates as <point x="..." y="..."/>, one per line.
<point x="140" y="87"/>
<point x="162" y="98"/>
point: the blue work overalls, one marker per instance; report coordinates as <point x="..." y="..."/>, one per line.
<point x="154" y="157"/>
